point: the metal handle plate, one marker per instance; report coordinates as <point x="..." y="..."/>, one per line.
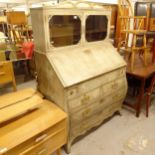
<point x="42" y="137"/>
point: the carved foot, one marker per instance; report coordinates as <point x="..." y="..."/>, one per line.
<point x="118" y="113"/>
<point x="68" y="147"/>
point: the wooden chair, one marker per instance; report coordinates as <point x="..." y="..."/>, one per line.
<point x="18" y="28"/>
<point x="7" y="74"/>
<point x="133" y="30"/>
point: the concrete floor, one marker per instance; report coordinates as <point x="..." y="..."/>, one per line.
<point x="120" y="135"/>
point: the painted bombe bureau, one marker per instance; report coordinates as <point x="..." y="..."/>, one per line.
<point x="77" y="67"/>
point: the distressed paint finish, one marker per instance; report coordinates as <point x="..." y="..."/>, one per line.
<point x="87" y="80"/>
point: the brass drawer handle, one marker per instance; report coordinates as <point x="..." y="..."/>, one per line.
<point x="86" y="113"/>
<point x="85" y="99"/>
<point x="115" y="97"/>
<point x="42" y="137"/>
<point x="2" y="73"/>
<point x="121" y="72"/>
<point x="102" y="100"/>
<point x="71" y="92"/>
<point x="114" y="86"/>
<point x="42" y="152"/>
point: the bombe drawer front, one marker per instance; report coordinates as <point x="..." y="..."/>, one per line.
<point x="84" y="100"/>
<point x="92" y="84"/>
<point x="95" y="119"/>
<point x="96" y="107"/>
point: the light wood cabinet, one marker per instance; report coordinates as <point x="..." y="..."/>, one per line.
<point x="42" y="131"/>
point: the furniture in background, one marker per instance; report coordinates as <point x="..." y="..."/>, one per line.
<point x="153" y="50"/>
<point x="146" y="9"/>
<point x="142" y="73"/>
<point x="132" y="33"/>
<point x="149" y="92"/>
<point x="18" y="28"/>
<point x="18" y="55"/>
<point x="138" y="43"/>
<point x="7" y="74"/>
<point x="3" y="25"/>
<point x="40" y="130"/>
<point x="122" y="10"/>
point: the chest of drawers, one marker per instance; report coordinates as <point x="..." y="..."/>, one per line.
<point x="40" y="132"/>
<point x="87" y="102"/>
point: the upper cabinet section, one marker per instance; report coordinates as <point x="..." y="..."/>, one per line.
<point x="69" y="25"/>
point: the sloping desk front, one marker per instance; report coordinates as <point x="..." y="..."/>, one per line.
<point x="142" y="73"/>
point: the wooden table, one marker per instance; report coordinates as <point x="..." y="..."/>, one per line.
<point x="142" y="73"/>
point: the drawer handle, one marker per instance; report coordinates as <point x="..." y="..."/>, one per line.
<point x="71" y="92"/>
<point x="86" y="113"/>
<point x="102" y="100"/>
<point x="42" y="137"/>
<point x="122" y="72"/>
<point x="115" y="97"/>
<point x="1" y="65"/>
<point x="114" y="86"/>
<point x="42" y="152"/>
<point x="2" y="73"/>
<point x="86" y="98"/>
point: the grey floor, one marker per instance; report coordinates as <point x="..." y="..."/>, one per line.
<point x="120" y="135"/>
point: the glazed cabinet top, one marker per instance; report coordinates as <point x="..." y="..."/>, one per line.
<point x="66" y="25"/>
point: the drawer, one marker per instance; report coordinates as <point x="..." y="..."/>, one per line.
<point x="101" y="80"/>
<point x="48" y="145"/>
<point x="92" y="84"/>
<point x="97" y="106"/>
<point x="95" y="119"/>
<point x="84" y="100"/>
<point x="6" y="67"/>
<point x="112" y="98"/>
<point x="6" y="72"/>
<point x="38" y="138"/>
<point x="113" y="86"/>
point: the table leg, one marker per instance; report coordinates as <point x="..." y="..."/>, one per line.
<point x="140" y="97"/>
<point x="153" y="52"/>
<point x="58" y="152"/>
<point x="26" y="67"/>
